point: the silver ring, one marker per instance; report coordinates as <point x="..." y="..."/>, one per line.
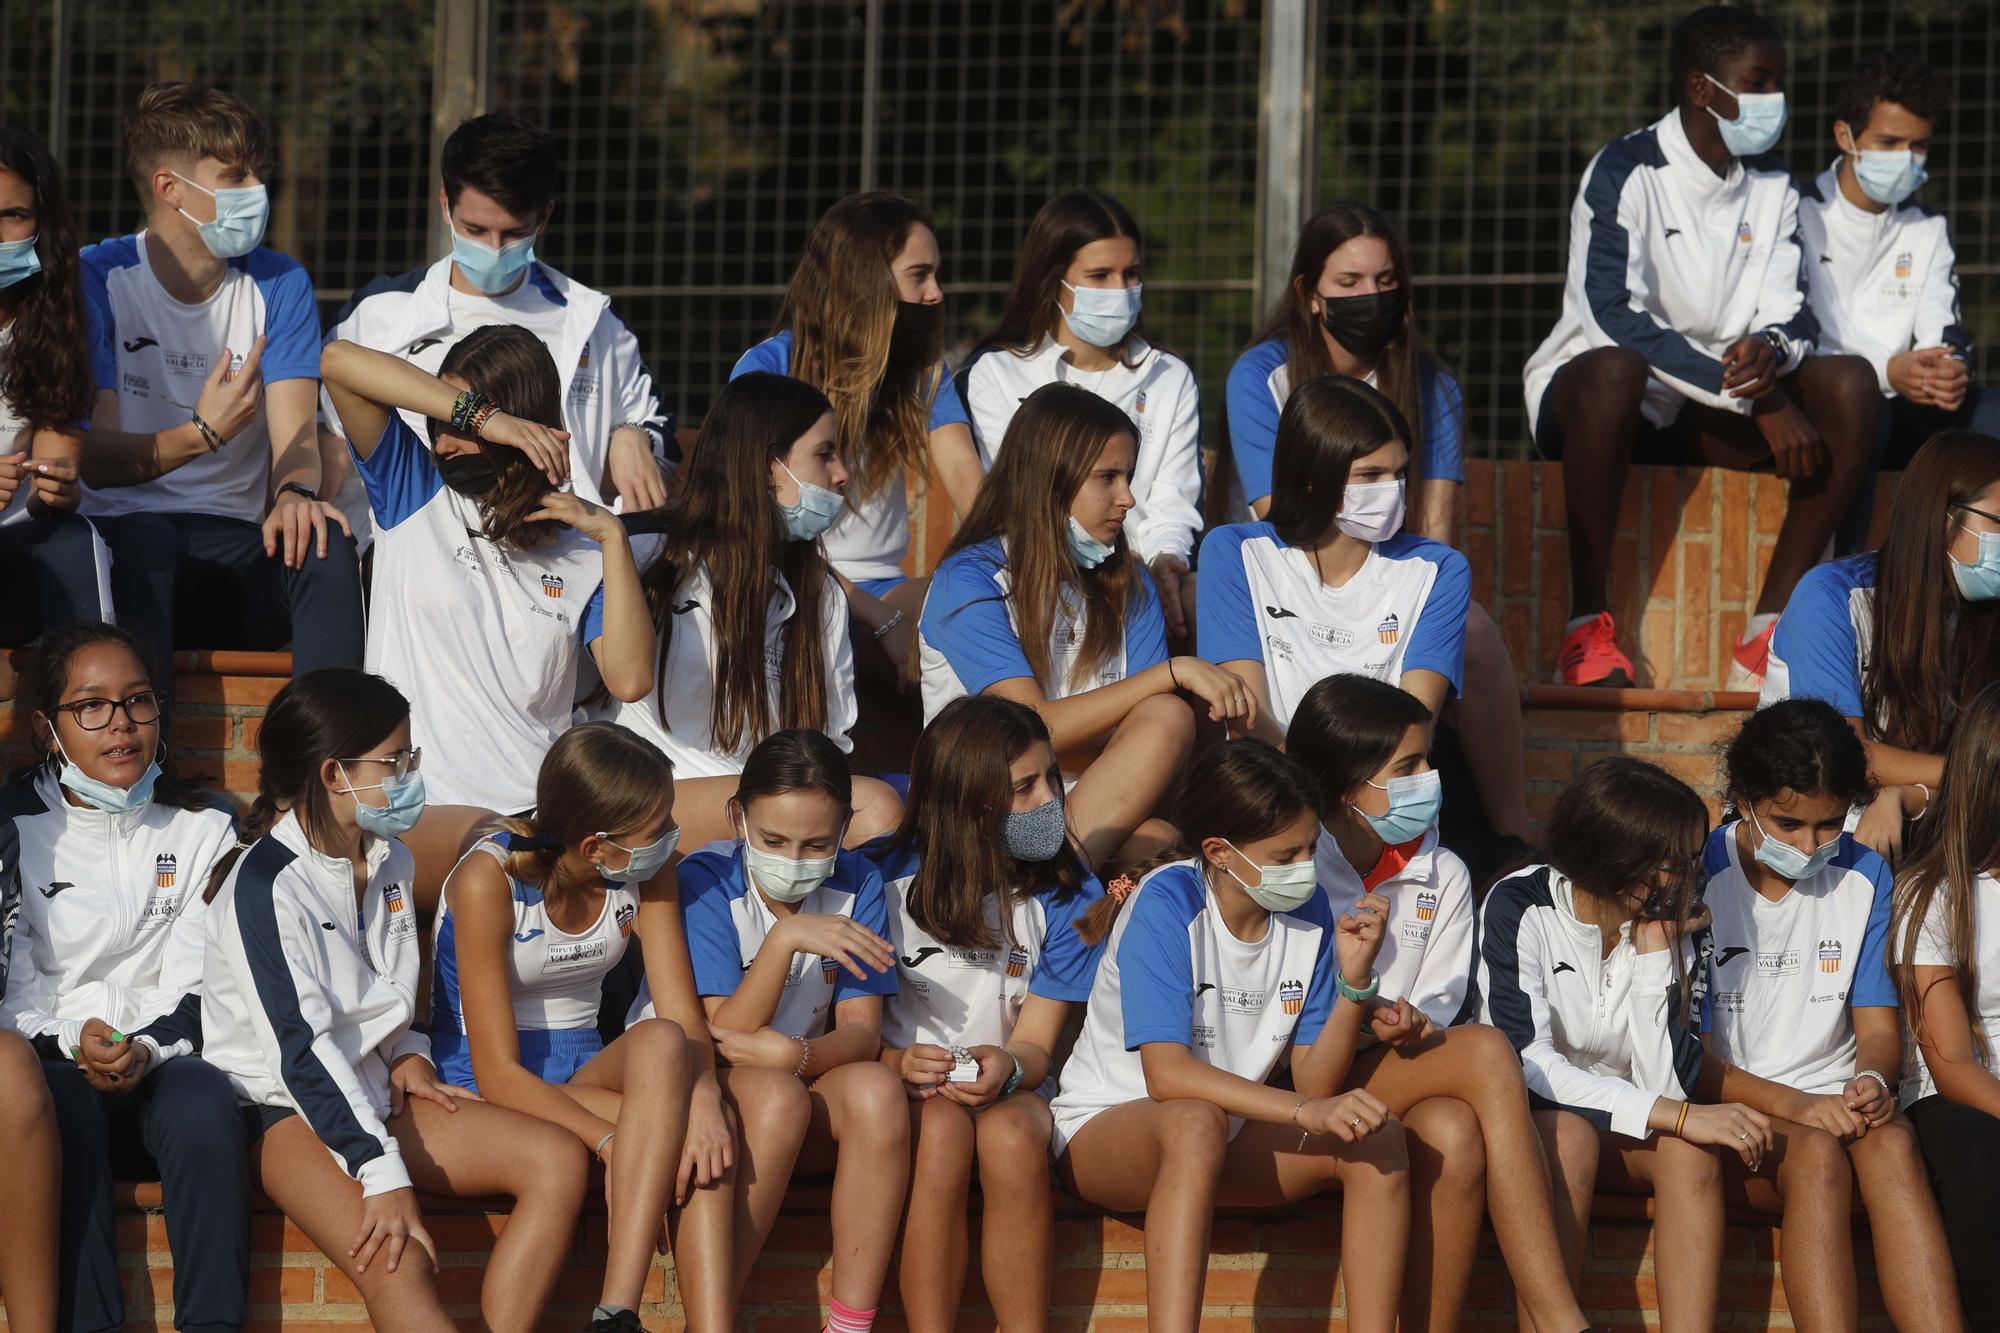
<point x="1741" y="1135"/>
<point x="1355" y="1123"/>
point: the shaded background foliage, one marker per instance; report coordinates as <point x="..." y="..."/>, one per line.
<point x="702" y="137"/>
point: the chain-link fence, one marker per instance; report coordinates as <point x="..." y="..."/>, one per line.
<point x="702" y="138"/>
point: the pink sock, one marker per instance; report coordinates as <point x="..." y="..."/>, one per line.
<point x="845" y="1319"/>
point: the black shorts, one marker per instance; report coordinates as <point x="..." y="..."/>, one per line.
<point x="257" y="1120"/>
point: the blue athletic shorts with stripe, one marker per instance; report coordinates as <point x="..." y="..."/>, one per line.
<point x="553" y="1056"/>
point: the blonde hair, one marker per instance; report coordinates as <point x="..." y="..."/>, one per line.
<point x="598" y="777"/>
<point x="841" y="309"/>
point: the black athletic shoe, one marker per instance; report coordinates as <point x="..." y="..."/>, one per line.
<point x="625" y="1321"/>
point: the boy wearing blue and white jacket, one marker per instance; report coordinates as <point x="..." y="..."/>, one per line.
<point x="202" y="464"/>
<point x="1801" y="1017"/>
<point x="1684" y="322"/>
<point x="498" y="194"/>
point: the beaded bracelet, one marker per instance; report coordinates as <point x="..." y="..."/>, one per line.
<point x="481" y="414"/>
<point x="464" y="408"/>
<point x="209" y="434"/>
<point x="805" y="1057"/>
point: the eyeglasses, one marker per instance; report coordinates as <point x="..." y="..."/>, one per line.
<point x="95" y="714"/>
<point x="401" y="764"/>
<point x="1990" y="518"/>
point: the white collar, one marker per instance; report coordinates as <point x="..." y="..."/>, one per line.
<point x="1687" y="163"/>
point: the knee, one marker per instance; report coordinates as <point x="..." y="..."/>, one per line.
<point x="24" y="1093"/>
<point x="1167" y="718"/>
<point x="555" y="1167"/>
<point x="1688" y="1167"/>
<point x="776" y="1109"/>
<point x="341" y="565"/>
<point x="1574" y="1145"/>
<point x="1485" y="1053"/>
<point x="659" y="1045"/>
<point x="1483" y="644"/>
<point x="1818" y="1160"/>
<point x="1194" y="1131"/>
<point x="201" y="1122"/>
<point x="875" y="1095"/>
<point x="1010" y="1135"/>
<point x="1615" y="376"/>
<point x="1448" y="1130"/>
<point x="944" y="1143"/>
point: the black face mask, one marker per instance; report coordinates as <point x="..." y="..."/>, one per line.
<point x="913" y="340"/>
<point x="1365" y="324"/>
<point x="471" y="475"/>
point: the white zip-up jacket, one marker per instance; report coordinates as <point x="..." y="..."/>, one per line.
<point x="111" y="918"/>
<point x="605" y="383"/>
<point x="308" y="1000"/>
<point x="1881" y="283"/>
<point x="1427" y="954"/>
<point x="1603" y="1037"/>
<point x="1157" y="392"/>
<point x="1677" y="263"/>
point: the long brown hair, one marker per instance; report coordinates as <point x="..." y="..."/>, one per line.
<point x="597" y="778"/>
<point x="45" y="377"/>
<point x="841" y="309"/>
<point x="513" y="367"/>
<point x="331" y="713"/>
<point x="959" y="798"/>
<point x="1347" y="727"/>
<point x="726" y="522"/>
<point x="1931" y="650"/>
<point x="1050" y="448"/>
<point x="1061" y="227"/>
<point x="1241" y="790"/>
<point x="1936" y="886"/>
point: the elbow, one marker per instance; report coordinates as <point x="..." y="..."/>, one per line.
<point x="332" y="357"/>
<point x="628" y="686"/>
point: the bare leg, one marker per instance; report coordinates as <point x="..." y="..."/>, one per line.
<point x="1489" y="718"/>
<point x="721" y="1243"/>
<point x="1596" y="398"/>
<point x="1910" y="1248"/>
<point x="1805" y="1178"/>
<point x="1164" y="1158"/>
<point x="931" y="1275"/>
<point x="1448" y="1198"/>
<point x="1570" y="1151"/>
<point x="1265" y="1166"/>
<point x="1124" y="785"/>
<point x="1018" y="1224"/>
<point x="293" y="1167"/>
<point x="861" y="1130"/>
<point x="1475" y="1067"/>
<point x="1685" y="1181"/>
<point x="1840" y="397"/>
<point x="30" y="1190"/>
<point x="481" y="1149"/>
<point x="640" y="1083"/>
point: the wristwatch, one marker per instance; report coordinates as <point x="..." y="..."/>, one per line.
<point x="299" y="488"/>
<point x="1354" y="996"/>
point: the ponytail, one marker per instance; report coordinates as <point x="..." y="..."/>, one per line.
<point x="264" y="812"/>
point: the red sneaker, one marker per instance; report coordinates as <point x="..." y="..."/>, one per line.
<point x="1589" y="656"/>
<point x="1750" y="659"/>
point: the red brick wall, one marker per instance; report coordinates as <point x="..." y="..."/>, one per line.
<point x="1275" y="1272"/>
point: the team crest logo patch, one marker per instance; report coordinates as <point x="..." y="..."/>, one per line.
<point x="1903" y="262"/>
<point x="1427" y="905"/>
<point x="1017" y="962"/>
<point x="1743" y="234"/>
<point x="1829" y="955"/>
<point x="829" y="970"/>
<point x="552" y="585"/>
<point x="1139" y="405"/>
<point x="165" y="870"/>
<point x="1293" y="996"/>
<point x="624" y="919"/>
<point x="392" y="898"/>
<point x="583" y="362"/>
<point x="1390" y="630"/>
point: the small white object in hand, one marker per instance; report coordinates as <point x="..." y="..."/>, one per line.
<point x="964" y="1069"/>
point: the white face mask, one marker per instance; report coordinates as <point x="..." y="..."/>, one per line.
<point x="1372" y="513"/>
<point x="780" y="877"/>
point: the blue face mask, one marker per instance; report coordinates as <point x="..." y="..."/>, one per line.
<point x="1037" y="834"/>
<point x="1414" y="802"/>
<point x="1787" y="861"/>
<point x="18" y="261"/>
<point x="1980" y="580"/>
<point x="1102" y="316"/>
<point x="241" y="214"/>
<point x="488" y="269"/>
<point x="642" y="862"/>
<point x="103" y="795"/>
<point x="815" y="512"/>
<point x="1760" y="119"/>
<point x="403" y="807"/>
<point x="1283" y="888"/>
<point x="1089" y="552"/>
<point x="1889" y="178"/>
